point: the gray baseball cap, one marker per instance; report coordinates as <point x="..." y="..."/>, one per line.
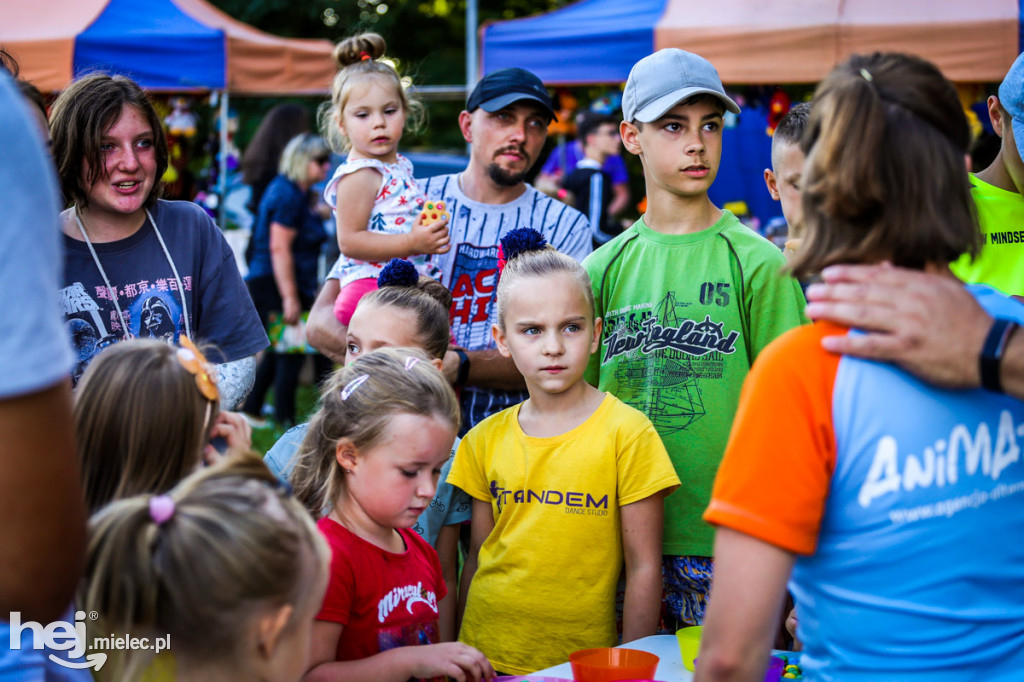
<point x="662" y="80"/>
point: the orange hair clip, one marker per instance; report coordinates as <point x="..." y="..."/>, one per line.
<point x="195" y="363"/>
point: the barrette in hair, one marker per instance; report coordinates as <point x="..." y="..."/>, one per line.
<point x="517" y="242"/>
<point x="411" y="362"/>
<point x="398" y="273"/>
<point x="196" y="364"/>
<point x="161" y="509"/>
<point x="363" y="56"/>
<point x="866" y="75"/>
<point x="351" y="386"/>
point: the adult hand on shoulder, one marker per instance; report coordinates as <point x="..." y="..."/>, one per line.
<point x="928" y="324"/>
<point x="453" y="659"/>
<point x="235" y="434"/>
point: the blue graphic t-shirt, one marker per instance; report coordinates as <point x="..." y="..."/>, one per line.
<point x="903" y="502"/>
<point x="219" y="307"/>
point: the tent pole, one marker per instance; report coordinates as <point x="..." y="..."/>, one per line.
<point x="471" y="57"/>
<point x="222" y="169"/>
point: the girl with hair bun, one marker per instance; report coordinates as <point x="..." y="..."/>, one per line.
<point x="376" y="200"/>
<point x="886" y="498"/>
<point x="226" y="566"/>
<point x="570" y="467"/>
<point x="371" y="459"/>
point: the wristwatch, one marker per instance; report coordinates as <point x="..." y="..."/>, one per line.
<point x="463" y="374"/>
<point x="992" y="353"/>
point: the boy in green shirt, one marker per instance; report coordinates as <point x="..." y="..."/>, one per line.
<point x="997" y="193"/>
<point x="689" y="296"/>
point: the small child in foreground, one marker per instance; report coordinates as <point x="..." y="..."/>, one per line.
<point x="226" y="566"/>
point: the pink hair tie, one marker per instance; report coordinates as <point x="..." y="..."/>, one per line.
<point x="363" y="56"/>
<point x="161" y="509"/>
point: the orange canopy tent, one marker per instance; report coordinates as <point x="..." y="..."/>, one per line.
<point x="162" y="44"/>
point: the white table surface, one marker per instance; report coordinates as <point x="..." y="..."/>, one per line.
<point x="665" y="647"/>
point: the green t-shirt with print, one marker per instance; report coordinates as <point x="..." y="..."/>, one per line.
<point x="1001" y="261"/>
<point x="684" y="316"/>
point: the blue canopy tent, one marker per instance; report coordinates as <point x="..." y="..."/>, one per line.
<point x="594" y="41"/>
<point x="169" y="45"/>
<point x="160" y="46"/>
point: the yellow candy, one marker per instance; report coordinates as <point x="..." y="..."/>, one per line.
<point x="789" y="676"/>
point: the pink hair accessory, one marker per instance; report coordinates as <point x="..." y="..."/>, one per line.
<point x="363" y="56"/>
<point x="351" y="386"/>
<point x="501" y="260"/>
<point x="411" y="362"/>
<point x="161" y="509"/>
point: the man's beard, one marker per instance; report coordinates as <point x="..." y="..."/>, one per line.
<point x="505" y="178"/>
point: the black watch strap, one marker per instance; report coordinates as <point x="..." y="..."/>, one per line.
<point x="463" y="374"/>
<point x="992" y="353"/>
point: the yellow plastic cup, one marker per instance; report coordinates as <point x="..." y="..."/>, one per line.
<point x="689" y="644"/>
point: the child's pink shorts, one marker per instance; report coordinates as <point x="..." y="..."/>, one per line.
<point x="349" y="297"/>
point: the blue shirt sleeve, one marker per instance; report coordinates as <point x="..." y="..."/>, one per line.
<point x="34" y="347"/>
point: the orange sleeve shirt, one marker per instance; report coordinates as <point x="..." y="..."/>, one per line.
<point x="775" y="476"/>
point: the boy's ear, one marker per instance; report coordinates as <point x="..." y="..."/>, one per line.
<point x="499" y="338"/>
<point x="995" y="114"/>
<point x="439" y="363"/>
<point x="347" y="454"/>
<point x="465" y="119"/>
<point x="773" y="184"/>
<point x="630" y="137"/>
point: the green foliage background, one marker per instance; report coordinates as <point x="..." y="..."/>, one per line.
<point x="425" y="37"/>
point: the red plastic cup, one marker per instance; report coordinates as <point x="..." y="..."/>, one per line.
<point x="612" y="665"/>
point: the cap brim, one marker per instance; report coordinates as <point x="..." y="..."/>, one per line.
<point x="502" y="101"/>
<point x="659" y="107"/>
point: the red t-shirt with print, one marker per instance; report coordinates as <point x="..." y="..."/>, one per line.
<point x="384" y="600"/>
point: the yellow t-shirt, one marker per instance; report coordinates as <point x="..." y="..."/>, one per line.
<point x="546" y="576"/>
<point x="1001" y="261"/>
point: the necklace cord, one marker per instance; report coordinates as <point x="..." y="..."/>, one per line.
<point x="125" y="334"/>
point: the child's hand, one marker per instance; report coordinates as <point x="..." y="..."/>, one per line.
<point x="234" y="434"/>
<point x="454" y="659"/>
<point x="791" y="623"/>
<point x="430" y="237"/>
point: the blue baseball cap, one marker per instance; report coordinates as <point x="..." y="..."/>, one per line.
<point x="500" y="88"/>
<point x="1011" y="97"/>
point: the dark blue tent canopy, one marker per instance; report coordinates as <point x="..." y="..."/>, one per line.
<point x="593" y="41"/>
<point x="159" y="45"/>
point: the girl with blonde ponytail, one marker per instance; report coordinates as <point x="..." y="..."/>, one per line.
<point x="226" y="569"/>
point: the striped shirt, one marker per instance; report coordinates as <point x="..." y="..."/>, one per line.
<point x="470" y="268"/>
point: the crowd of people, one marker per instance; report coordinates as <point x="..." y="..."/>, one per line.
<point x="549" y="432"/>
